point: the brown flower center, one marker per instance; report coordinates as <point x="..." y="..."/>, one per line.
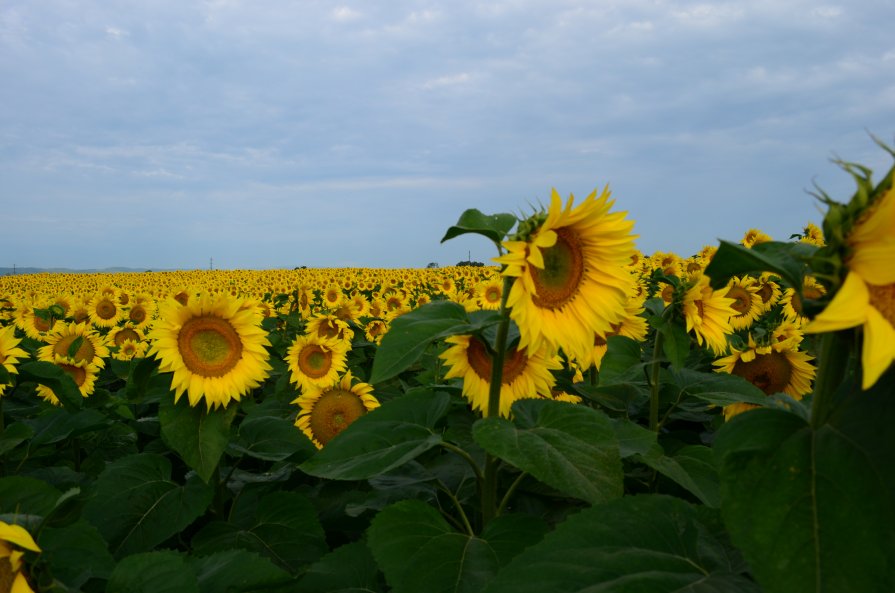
<point x="137" y="314"/>
<point x="84" y="353"/>
<point x="209" y="346"/>
<point x="882" y="298"/>
<point x="333" y="412"/>
<point x="769" y="372"/>
<point x="480" y="360"/>
<point x="742" y="300"/>
<point x="557" y="283"/>
<point x="106" y="309"/>
<point x="126" y="334"/>
<point x="314" y="361"/>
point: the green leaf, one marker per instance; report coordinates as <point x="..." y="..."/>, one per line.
<point x="571" y="448"/>
<point x="691" y="467"/>
<point x="272" y="439"/>
<point x="58" y="425"/>
<point x="236" y="570"/>
<point x="418" y="551"/>
<point x="198" y="436"/>
<point x="411" y="333"/>
<point x="675" y="340"/>
<point x="493" y="226"/>
<point x="76" y="553"/>
<point x="138" y="506"/>
<point x="631" y="545"/>
<point x="719" y="389"/>
<point x="282" y="526"/>
<point x="509" y="534"/>
<point x="54" y="377"/>
<point x="153" y="572"/>
<point x="784" y="259"/>
<point x="5" y="377"/>
<point x="813" y="509"/>
<point x="28" y="496"/>
<point x="622" y="361"/>
<point x="389" y="436"/>
<point x="14" y="435"/>
<point x="348" y="568"/>
<point x="141" y="371"/>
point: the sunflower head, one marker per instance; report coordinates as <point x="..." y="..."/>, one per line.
<point x="15" y="542"/>
<point x="325" y="412"/>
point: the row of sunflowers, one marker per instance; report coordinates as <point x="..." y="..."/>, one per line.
<point x="474" y="417"/>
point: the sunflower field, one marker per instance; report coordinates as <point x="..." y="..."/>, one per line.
<point x="578" y="416"/>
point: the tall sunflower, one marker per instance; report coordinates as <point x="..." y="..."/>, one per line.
<point x="570" y="267"/>
<point x="105" y="310"/>
<point x="747" y="304"/>
<point x="82" y="372"/>
<point x="707" y="313"/>
<point x="316" y="362"/>
<point x="325" y="412"/>
<point x="633" y="326"/>
<point x="76" y="341"/>
<point x="214" y="347"/>
<point x="14" y="541"/>
<point x="10" y="353"/>
<point x="867" y="296"/>
<point x="776" y="368"/>
<point x="525" y="375"/>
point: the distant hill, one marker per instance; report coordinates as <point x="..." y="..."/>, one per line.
<point x="18" y="270"/>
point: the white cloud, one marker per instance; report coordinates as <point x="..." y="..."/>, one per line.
<point x="345" y="13"/>
<point x="448" y="81"/>
<point x="116" y="33"/>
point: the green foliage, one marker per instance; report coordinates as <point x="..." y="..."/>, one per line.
<point x="494" y="226"/>
<point x="198" y="435"/>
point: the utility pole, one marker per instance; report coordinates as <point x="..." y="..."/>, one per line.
<point x="210" y="263"/>
<point x="13" y="269"/>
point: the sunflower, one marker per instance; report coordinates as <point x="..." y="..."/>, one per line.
<point x="83" y="373"/>
<point x="141" y="311"/>
<point x="633" y="326"/>
<point x="315" y="361"/>
<point x="747" y="304"/>
<point x="327" y="325"/>
<point x="13" y="540"/>
<point x="768" y="291"/>
<point x="792" y="300"/>
<point x="867" y="296"/>
<point x="33" y="319"/>
<point x="813" y="234"/>
<point x="524" y="375"/>
<point x="325" y="412"/>
<point x="707" y="313"/>
<point x="570" y="270"/>
<point x="754" y="237"/>
<point x="90" y="348"/>
<point x="488" y="294"/>
<point x="375" y="329"/>
<point x="105" y="310"/>
<point x="129" y="350"/>
<point x="10" y="353"/>
<point x="215" y="348"/>
<point x="775" y="368"/>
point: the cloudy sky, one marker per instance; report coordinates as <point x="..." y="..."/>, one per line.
<point x="273" y="133"/>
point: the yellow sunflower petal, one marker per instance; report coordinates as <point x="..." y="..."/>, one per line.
<point x="16" y="534"/>
<point x="847" y="309"/>
<point x="874" y="262"/>
<point x="879" y="347"/>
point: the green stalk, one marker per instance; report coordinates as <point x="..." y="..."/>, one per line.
<point x="833" y="357"/>
<point x="654" y="383"/>
<point x="489" y="483"/>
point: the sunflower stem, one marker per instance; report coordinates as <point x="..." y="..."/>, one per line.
<point x="489" y="482"/>
<point x="466" y="524"/>
<point x="509" y="493"/>
<point x="466" y="457"/>
<point x="654" y="382"/>
<point x="833" y="357"/>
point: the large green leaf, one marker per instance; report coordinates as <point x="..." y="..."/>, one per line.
<point x="198" y="436"/>
<point x="493" y="226"/>
<point x="719" y="389"/>
<point x="52" y="376"/>
<point x="635" y="544"/>
<point x="411" y="333"/>
<point x="153" y="572"/>
<point x="785" y="259"/>
<point x="350" y="568"/>
<point x="691" y="467"/>
<point x="418" y="551"/>
<point x="813" y="509"/>
<point x="28" y="496"/>
<point x="59" y="425"/>
<point x="76" y="553"/>
<point x="138" y="505"/>
<point x="571" y="448"/>
<point x="272" y="438"/>
<point x="282" y="526"/>
<point x="389" y="436"/>
<point x="235" y="571"/>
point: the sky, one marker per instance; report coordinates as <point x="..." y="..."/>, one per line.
<point x="180" y="134"/>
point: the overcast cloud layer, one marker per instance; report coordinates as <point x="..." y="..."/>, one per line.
<point x="270" y="134"/>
